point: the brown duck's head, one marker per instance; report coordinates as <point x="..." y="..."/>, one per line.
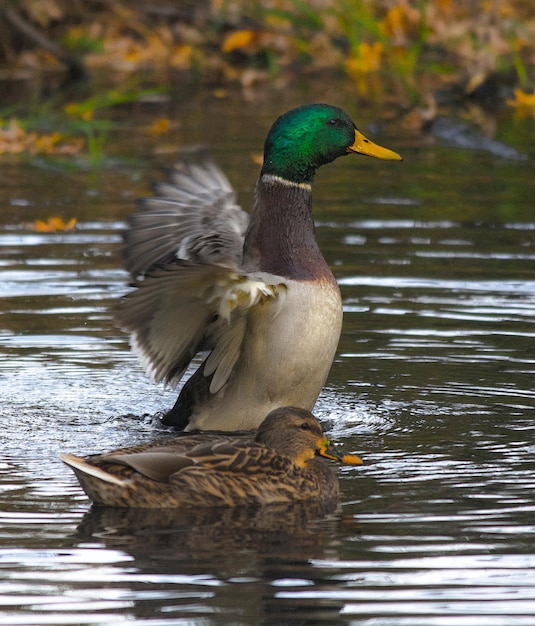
<point x="295" y="433"/>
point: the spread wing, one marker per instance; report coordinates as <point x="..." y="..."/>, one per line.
<point x="193" y="217"/>
<point x="183" y="309"/>
<point x="185" y="249"/>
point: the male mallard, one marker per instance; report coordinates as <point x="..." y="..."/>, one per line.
<point x="279" y="465"/>
<point x="254" y="293"/>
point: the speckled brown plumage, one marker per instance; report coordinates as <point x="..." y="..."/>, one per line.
<point x="278" y="464"/>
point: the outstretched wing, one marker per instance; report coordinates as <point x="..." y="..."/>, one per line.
<point x="185" y="249"/>
<point x="193" y="217"/>
<point x="182" y="309"/>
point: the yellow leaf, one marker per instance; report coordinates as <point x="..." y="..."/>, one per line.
<point x="394" y="21"/>
<point x="238" y="39"/>
<point x="401" y="23"/>
<point x="160" y="126"/>
<point x="367" y="59"/>
<point x="181" y="56"/>
<point x="46" y="143"/>
<point x="53" y="224"/>
<point x="70" y="224"/>
<point x="524" y="103"/>
<point x="522" y="99"/>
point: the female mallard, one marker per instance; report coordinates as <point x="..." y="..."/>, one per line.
<point x="254" y="293"/>
<point x="279" y="465"/>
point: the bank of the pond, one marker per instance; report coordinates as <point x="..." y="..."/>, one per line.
<point x="65" y="66"/>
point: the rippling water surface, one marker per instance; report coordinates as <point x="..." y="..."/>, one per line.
<point x="432" y="386"/>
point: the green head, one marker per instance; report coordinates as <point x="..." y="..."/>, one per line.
<point x="310" y="136"/>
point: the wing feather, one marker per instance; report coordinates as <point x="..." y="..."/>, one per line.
<point x="183" y="309"/>
<point x="194" y="217"/>
<point x="185" y="250"/>
<point x="161" y="461"/>
<point x="221" y="360"/>
<point x="158" y="464"/>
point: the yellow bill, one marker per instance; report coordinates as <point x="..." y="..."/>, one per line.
<point x="363" y="145"/>
<point x="329" y="451"/>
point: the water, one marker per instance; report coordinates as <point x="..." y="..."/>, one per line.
<point x="432" y="386"/>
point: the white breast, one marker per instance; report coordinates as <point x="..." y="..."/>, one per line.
<point x="287" y="354"/>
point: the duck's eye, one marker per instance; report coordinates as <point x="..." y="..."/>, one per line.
<point x="334" y="122"/>
<point x="305" y="426"/>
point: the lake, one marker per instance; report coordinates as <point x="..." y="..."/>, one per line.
<point x="433" y="386"/>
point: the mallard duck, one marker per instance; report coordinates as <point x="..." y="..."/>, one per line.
<point x="280" y="464"/>
<point x="253" y="293"/>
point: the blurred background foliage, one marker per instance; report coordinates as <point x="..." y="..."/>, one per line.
<point x="409" y="57"/>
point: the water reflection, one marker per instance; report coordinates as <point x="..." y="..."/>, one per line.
<point x="185" y="564"/>
<point x="216" y="533"/>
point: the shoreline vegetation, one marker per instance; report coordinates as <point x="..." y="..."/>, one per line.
<point x="410" y="59"/>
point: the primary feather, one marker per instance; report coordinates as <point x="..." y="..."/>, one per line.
<point x="194" y="217"/>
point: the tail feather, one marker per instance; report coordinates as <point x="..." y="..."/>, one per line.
<point x="83" y="467"/>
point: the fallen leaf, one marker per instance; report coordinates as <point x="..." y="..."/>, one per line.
<point x="54" y="224"/>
